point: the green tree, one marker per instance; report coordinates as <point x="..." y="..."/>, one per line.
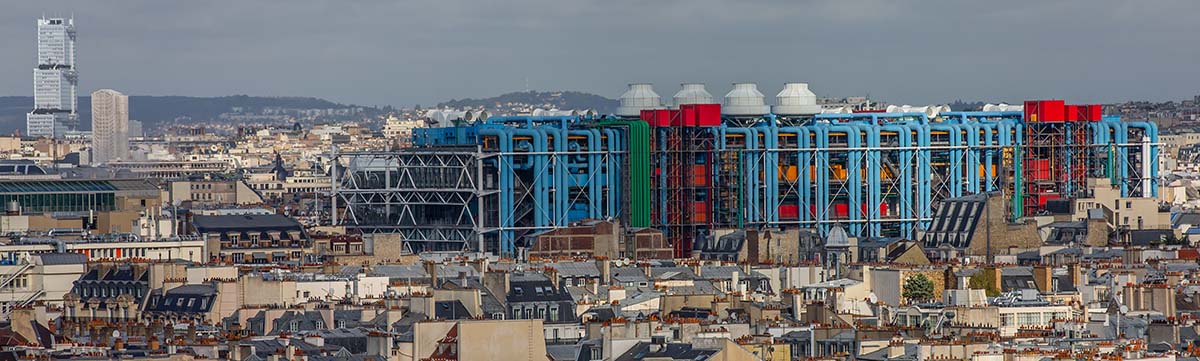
<point x="918" y="288"/>
<point x="985" y="280"/>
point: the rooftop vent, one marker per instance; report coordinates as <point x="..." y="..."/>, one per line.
<point x="1002" y="107"/>
<point x="745" y="100"/>
<point x="586" y="113"/>
<point x="796" y="99"/>
<point x="931" y="111"/>
<point x="639" y="97"/>
<point x="693" y="93"/>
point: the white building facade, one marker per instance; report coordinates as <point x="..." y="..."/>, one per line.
<point x="54" y="80"/>
<point x="110" y="126"/>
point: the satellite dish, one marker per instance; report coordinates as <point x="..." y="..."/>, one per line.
<point x="871" y="297"/>
<point x="1124" y="309"/>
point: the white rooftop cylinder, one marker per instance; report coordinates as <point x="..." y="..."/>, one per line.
<point x="639" y="97"/>
<point x="693" y="93"/>
<point x="796" y="99"/>
<point x="745" y="100"/>
<point x="1002" y="107"/>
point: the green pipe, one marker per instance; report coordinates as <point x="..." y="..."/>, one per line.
<point x="638" y="144"/>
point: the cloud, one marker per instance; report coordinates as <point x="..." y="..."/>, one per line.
<point x="407" y="52"/>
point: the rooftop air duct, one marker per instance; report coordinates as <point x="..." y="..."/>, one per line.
<point x="931" y="111"/>
<point x="1002" y="107"/>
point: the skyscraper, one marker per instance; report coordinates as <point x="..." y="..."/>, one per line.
<point x="54" y="80"/>
<point x="110" y="126"/>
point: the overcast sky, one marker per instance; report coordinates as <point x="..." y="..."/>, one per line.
<point x="404" y="52"/>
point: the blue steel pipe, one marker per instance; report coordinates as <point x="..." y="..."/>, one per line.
<point x="611" y="173"/>
<point x="1149" y="156"/>
<point x="972" y="156"/>
<point x="592" y="176"/>
<point x="955" y="161"/>
<point x="541" y="175"/>
<point x="874" y="181"/>
<point x="803" y="163"/>
<point x="1121" y="138"/>
<point x="504" y="138"/>
<point x="771" y="173"/>
<point x="989" y="140"/>
<point x="924" y="173"/>
<point x="853" y="172"/>
<point x="528" y="121"/>
<point x="561" y="188"/>
<point x="822" y="194"/>
<point x="906" y="205"/>
<point x="750" y="171"/>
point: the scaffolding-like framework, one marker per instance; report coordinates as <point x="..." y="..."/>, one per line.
<point x="494" y="185"/>
<point x="686" y="159"/>
<point x="430" y="197"/>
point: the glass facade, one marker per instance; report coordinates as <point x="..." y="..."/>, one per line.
<point x="45" y="203"/>
<point x="59" y="196"/>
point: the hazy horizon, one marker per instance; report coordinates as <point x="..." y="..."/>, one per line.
<point x="405" y="53"/>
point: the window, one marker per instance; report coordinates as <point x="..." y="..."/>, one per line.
<point x="554" y="313"/>
<point x="320" y="324"/>
<point x="295" y="326"/>
<point x="340" y="323"/>
<point x="597" y="354"/>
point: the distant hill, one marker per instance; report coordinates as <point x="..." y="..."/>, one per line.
<point x="153" y="110"/>
<point x="537" y="99"/>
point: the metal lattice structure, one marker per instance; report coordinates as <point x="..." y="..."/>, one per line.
<point x="493" y="185"/>
<point x="430" y="197"/>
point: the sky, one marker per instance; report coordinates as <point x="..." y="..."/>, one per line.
<point x="405" y="52"/>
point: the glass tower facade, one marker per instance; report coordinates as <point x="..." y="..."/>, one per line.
<point x="54" y="80"/>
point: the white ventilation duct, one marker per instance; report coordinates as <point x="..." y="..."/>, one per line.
<point x="1002" y="107"/>
<point x="745" y="100"/>
<point x="837" y="110"/>
<point x="796" y="99"/>
<point x="476" y="115"/>
<point x="639" y="97"/>
<point x="931" y="111"/>
<point x="444" y="117"/>
<point x="539" y="112"/>
<point x="692" y="93"/>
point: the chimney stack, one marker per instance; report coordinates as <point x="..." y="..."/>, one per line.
<point x="1043" y="278"/>
<point x="431" y="269"/>
<point x="605" y="266"/>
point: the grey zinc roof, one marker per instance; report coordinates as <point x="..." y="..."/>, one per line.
<point x="399" y="272"/>
<point x="629" y="274"/>
<point x="576" y="269"/>
<point x="193" y="290"/>
<point x="62" y="258"/>
<point x="222" y="223"/>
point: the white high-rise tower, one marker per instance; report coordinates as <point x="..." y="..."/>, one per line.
<point x="54" y="80"/>
<point x="110" y="126"/>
